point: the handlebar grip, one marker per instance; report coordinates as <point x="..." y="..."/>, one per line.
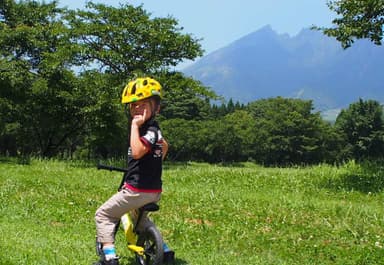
<point x="111" y="168"/>
<point x="100" y="166"/>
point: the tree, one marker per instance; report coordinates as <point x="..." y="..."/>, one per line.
<point x="208" y="140"/>
<point x="184" y="137"/>
<point x="185" y="98"/>
<point x="287" y="132"/>
<point x="357" y="19"/>
<point x="220" y="143"/>
<point x="47" y="107"/>
<point x="126" y="42"/>
<point x="244" y="128"/>
<point x="106" y="129"/>
<point x="38" y="88"/>
<point x="362" y="127"/>
<point x="126" y="39"/>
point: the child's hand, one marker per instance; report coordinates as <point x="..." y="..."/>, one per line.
<point x="139" y="119"/>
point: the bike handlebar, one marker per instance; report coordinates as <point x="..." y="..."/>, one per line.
<point x="112" y="168"/>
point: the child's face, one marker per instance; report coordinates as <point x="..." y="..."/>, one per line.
<point x="143" y="108"/>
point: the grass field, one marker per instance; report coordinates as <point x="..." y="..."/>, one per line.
<point x="239" y="214"/>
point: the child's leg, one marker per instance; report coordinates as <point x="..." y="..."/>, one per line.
<point x="145" y="220"/>
<point x="109" y="214"/>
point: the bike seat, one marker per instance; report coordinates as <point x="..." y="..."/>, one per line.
<point x="150" y="207"/>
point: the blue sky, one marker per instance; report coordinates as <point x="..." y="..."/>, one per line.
<point x="220" y="22"/>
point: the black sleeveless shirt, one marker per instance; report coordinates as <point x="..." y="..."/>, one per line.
<point x="144" y="174"/>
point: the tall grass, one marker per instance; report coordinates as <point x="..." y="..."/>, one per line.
<point x="244" y="214"/>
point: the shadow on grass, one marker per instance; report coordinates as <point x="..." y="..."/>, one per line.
<point x="180" y="262"/>
<point x="132" y="261"/>
<point x="365" y="177"/>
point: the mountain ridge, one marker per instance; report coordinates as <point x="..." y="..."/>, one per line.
<point x="308" y="65"/>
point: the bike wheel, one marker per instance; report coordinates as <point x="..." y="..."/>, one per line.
<point x="152" y="242"/>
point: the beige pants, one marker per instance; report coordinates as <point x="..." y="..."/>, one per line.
<point x="109" y="214"/>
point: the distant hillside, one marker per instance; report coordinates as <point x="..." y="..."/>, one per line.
<point x="309" y="66"/>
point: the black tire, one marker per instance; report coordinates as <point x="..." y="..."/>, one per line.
<point x="152" y="242"/>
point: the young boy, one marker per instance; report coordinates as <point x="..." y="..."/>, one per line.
<point x="142" y="183"/>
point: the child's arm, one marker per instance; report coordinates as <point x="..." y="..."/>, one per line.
<point x="138" y="148"/>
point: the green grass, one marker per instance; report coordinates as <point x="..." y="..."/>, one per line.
<point x="243" y="214"/>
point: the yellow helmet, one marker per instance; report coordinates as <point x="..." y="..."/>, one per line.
<point x="141" y="88"/>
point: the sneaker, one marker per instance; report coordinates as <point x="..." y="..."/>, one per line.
<point x="112" y="262"/>
<point x="169" y="257"/>
<point x="107" y="262"/>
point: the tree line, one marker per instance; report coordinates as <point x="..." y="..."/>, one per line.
<point x="62" y="72"/>
<point x="280" y="131"/>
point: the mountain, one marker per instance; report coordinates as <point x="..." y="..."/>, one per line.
<point x="309" y="65"/>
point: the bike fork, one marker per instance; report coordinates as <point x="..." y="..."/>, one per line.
<point x="136" y="249"/>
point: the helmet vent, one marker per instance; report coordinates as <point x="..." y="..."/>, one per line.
<point x="133" y="90"/>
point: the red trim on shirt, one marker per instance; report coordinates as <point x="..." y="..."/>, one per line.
<point x="146" y="143"/>
<point x="130" y="187"/>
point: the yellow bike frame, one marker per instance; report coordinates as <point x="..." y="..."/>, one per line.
<point x="130" y="235"/>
